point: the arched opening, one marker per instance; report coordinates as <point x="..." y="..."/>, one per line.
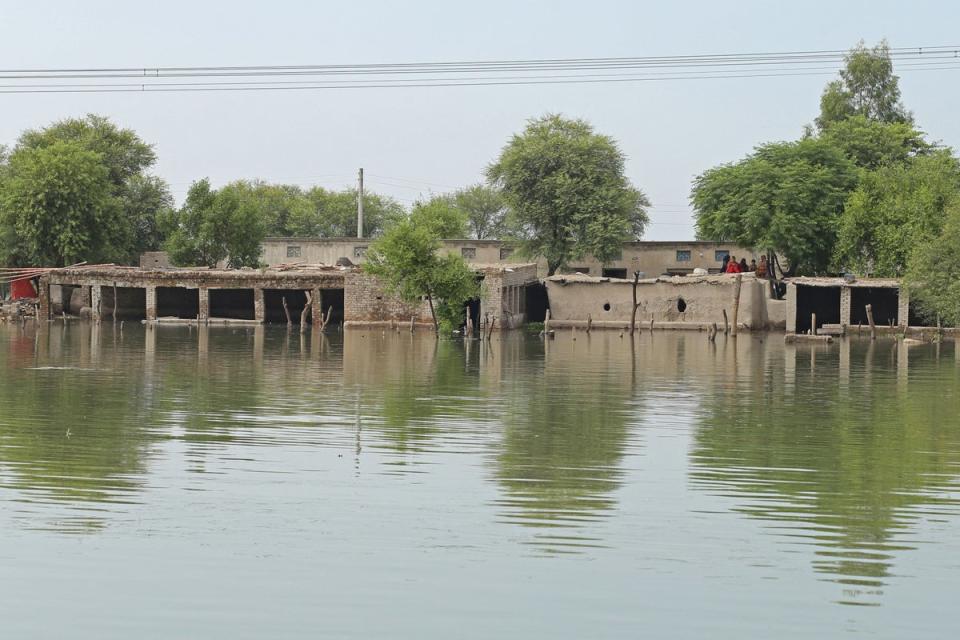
<point x="681" y="305"/>
<point x="606" y="306"/>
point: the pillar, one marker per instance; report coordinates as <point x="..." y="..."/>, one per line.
<point x="151" y="311"/>
<point x="903" y="308"/>
<point x="316" y="310"/>
<point x="44" y="294"/>
<point x="258" y="305"/>
<point x="203" y="297"/>
<point x="791" y="308"/>
<point x="96" y="301"/>
<point x="846" y="298"/>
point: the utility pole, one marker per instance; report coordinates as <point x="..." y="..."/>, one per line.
<point x="360" y="206"/>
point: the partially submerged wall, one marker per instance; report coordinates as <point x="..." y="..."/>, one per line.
<point x="681" y="301"/>
<point x="366" y="301"/>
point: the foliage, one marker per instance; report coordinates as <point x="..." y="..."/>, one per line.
<point x="139" y="199"/>
<point x="406" y="259"/>
<point x="867" y="87"/>
<point x="566" y="188"/>
<point x="57" y="201"/>
<point x="785" y="197"/>
<point x="216" y="225"/>
<point x="932" y="271"/>
<point x="441" y="216"/>
<point x="871" y="144"/>
<point x="333" y="214"/>
<point x="894" y="208"/>
<point x="485" y="209"/>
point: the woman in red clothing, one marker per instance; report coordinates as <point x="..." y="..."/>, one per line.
<point x="732" y="266"/>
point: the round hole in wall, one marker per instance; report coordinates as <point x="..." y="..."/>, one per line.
<point x="681" y="305"/>
<point x="606" y="306"/>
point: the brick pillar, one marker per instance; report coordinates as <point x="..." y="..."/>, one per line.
<point x="203" y="295"/>
<point x="96" y="301"/>
<point x="791" y="308"/>
<point x="846" y="295"/>
<point x="316" y="311"/>
<point x="903" y="308"/>
<point x="44" y="294"/>
<point x="151" y="304"/>
<point x="258" y="305"/>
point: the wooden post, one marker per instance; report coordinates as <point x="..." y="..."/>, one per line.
<point x="467" y="330"/>
<point x="651" y="325"/>
<point x="306" y="312"/>
<point x="412" y="320"/>
<point x="114" y="316"/>
<point x="736" y="302"/>
<point x="589" y="323"/>
<point x="813" y="324"/>
<point x="546" y="322"/>
<point x="493" y="321"/>
<point x="286" y="310"/>
<point x="633" y="314"/>
<point x="873" y="327"/>
<point x="726" y="323"/>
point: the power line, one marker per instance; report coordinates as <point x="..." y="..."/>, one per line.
<point x="455" y="74"/>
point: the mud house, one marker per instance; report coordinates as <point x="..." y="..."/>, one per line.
<point x="649" y="258"/>
<point x="347" y="294"/>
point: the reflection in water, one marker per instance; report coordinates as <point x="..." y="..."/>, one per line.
<point x="829" y="450"/>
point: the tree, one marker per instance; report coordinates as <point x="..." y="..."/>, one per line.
<point x="871" y="144"/>
<point x="485" y="209"/>
<point x="216" y="225"/>
<point x="893" y="209"/>
<point x="333" y="214"/>
<point x="140" y="198"/>
<point x="785" y="197"/>
<point x="406" y="259"/>
<point x="567" y="191"/>
<point x="57" y="201"/>
<point x="932" y="271"/>
<point x="441" y="216"/>
<point x="867" y="87"/>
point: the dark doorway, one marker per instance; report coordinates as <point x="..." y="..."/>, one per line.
<point x="823" y="301"/>
<point x="537" y="301"/>
<point x="615" y="273"/>
<point x="473" y="307"/>
<point x="178" y="302"/>
<point x="273" y="304"/>
<point x="332" y="299"/>
<point x="131" y="303"/>
<point x="234" y="304"/>
<point x="884" y="302"/>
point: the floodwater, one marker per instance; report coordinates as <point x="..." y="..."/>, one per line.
<point x="254" y="483"/>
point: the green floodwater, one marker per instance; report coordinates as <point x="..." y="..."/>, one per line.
<point x="255" y="483"/>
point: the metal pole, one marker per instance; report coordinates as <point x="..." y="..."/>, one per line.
<point x="360" y="206"/>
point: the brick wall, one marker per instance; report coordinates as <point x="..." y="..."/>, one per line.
<point x="366" y="300"/>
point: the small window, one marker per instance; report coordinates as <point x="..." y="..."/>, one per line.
<point x="293" y="251"/>
<point x="505" y="252"/>
<point x="683" y="255"/>
<point x="360" y="251"/>
<point x="720" y="255"/>
<point x="468" y="253"/>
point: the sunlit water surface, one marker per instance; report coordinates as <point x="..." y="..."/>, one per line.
<point x="255" y="483"/>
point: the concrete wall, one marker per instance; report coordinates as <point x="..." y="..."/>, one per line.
<point x="503" y="294"/>
<point x="650" y="258"/>
<point x="609" y="302"/>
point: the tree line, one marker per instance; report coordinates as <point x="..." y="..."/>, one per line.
<point x="862" y="191"/>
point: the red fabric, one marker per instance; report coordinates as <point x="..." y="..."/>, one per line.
<point x="22" y="289"/>
<point x="733" y="267"/>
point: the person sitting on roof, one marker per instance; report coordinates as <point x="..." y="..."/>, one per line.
<point x="733" y="266"/>
<point x="762" y="267"/>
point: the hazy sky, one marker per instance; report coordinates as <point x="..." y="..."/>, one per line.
<point x="416" y="141"/>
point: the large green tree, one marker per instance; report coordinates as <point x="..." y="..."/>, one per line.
<point x="566" y="187"/>
<point x="870" y="144"/>
<point x="216" y="225"/>
<point x="867" y="86"/>
<point x="126" y="158"/>
<point x="894" y="208"/>
<point x="57" y="203"/>
<point x="333" y="214"/>
<point x="933" y="272"/>
<point x="441" y="216"/>
<point x="406" y="259"/>
<point x="485" y="208"/>
<point x="785" y="197"/>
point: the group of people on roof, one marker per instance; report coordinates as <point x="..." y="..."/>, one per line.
<point x="730" y="265"/>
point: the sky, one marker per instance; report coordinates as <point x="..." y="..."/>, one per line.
<point x="413" y="142"/>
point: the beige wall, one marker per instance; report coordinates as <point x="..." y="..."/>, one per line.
<point x="650" y="258"/>
<point x="610" y="302"/>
